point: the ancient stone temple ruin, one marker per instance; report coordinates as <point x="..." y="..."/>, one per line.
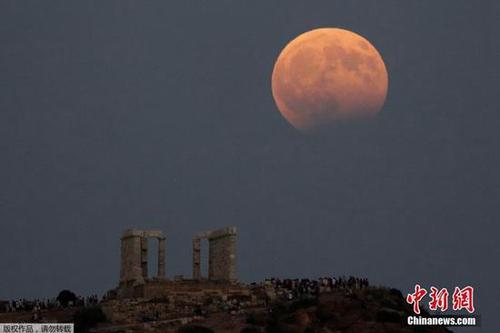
<point x="134" y="255"/>
<point x="221" y="254"/>
<point x="134" y="278"/>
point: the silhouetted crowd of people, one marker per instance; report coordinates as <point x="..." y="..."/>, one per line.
<point x="297" y="288"/>
<point x="20" y="305"/>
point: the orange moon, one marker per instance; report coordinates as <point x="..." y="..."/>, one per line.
<point x="328" y="75"/>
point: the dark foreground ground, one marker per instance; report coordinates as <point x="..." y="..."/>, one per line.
<point x="357" y="311"/>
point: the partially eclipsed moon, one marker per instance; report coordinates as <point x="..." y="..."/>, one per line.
<point x="328" y="75"/>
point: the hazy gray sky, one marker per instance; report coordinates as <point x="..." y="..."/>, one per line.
<point x="159" y="114"/>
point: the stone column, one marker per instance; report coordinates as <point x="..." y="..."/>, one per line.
<point x="222" y="255"/>
<point x="144" y="257"/>
<point x="196" y="258"/>
<point x="161" y="257"/>
<point x="131" y="269"/>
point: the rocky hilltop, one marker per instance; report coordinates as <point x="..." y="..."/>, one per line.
<point x="264" y="308"/>
<point x="369" y="310"/>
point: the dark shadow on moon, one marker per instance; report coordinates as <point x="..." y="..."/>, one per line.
<point x="339" y="128"/>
